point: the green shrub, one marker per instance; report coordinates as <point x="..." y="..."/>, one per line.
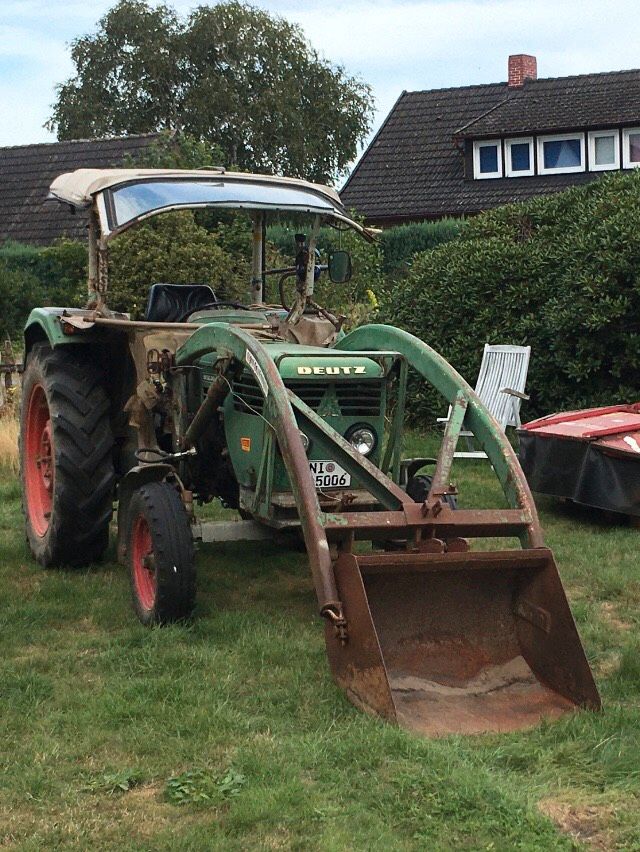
<point x="62" y="270"/>
<point x="20" y="291"/>
<point x="31" y="276"/>
<point x="560" y="273"/>
<point x="171" y="248"/>
<point x="18" y="255"/>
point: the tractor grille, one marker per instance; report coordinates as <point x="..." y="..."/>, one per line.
<point x="359" y="399"/>
<point x="247" y="394"/>
<point x="355" y="399"/>
<point x="311" y="393"/>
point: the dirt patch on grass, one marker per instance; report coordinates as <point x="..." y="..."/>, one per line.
<point x="607" y="666"/>
<point x="610" y="617"/>
<point x="280" y="838"/>
<point x="32" y="654"/>
<point x="141" y="812"/>
<point x="27" y="579"/>
<point x="584" y="823"/>
<point x="104" y="818"/>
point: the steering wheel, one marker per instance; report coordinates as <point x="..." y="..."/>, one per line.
<point x="209" y="305"/>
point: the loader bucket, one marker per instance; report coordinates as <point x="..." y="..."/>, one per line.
<point x="459" y="642"/>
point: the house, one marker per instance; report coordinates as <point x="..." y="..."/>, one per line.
<point x="26" y="172"/>
<point x="453" y="152"/>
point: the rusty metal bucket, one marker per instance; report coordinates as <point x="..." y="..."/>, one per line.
<point x="459" y="642"/>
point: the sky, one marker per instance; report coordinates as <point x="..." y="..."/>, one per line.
<point x="394" y="45"/>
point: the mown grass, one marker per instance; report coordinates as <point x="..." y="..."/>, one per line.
<point x="228" y="733"/>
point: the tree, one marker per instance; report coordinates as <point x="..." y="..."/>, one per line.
<point x="231" y="75"/>
<point x="176" y="151"/>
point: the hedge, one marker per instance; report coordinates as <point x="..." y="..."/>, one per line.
<point x="402" y="243"/>
<point x="20" y="290"/>
<point x="560" y="273"/>
<point x="30" y="276"/>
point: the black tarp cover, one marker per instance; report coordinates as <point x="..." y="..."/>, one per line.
<point x="572" y="458"/>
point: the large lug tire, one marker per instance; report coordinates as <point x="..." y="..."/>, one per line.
<point x="160" y="554"/>
<point x="66" y="458"/>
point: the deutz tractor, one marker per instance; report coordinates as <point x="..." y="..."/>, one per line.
<point x="278" y="413"/>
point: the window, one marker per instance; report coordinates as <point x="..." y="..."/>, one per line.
<point x="519" y="157"/>
<point x="487" y="159"/>
<point x="631" y="148"/>
<point x="604" y="150"/>
<point x="561" y="154"/>
<point x="142" y="197"/>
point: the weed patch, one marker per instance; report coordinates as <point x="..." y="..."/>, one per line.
<point x="198" y="787"/>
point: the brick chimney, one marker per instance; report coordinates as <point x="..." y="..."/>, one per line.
<point x="522" y="67"/>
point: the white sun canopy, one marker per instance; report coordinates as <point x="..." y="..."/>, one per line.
<point x="126" y="196"/>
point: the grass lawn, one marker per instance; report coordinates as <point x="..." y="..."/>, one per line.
<point x="228" y="733"/>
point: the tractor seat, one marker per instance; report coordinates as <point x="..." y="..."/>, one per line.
<point x="170" y="302"/>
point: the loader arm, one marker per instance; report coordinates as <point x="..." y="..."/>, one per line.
<point x="450" y="384"/>
<point x="230" y="342"/>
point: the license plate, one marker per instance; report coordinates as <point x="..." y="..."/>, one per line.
<point x="328" y="474"/>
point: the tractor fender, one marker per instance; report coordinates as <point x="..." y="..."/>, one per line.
<point x="43" y="325"/>
<point x="135" y="478"/>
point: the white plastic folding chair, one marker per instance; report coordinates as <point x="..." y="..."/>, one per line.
<point x="501" y="387"/>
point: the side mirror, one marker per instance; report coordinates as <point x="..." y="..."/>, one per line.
<point x="339" y="266"/>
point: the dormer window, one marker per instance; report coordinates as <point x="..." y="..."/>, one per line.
<point x="557" y="154"/>
<point x="519" y="157"/>
<point x="487" y="159"/>
<point x="631" y="147"/>
<point x="561" y="154"/>
<point x="604" y="150"/>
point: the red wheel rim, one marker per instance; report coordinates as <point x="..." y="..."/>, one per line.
<point x="39" y="469"/>
<point x="144" y="574"/>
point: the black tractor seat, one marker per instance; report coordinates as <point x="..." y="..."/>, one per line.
<point x="172" y="302"/>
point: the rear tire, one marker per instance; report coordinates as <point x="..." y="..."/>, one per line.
<point x="66" y="463"/>
<point x="160" y="554"/>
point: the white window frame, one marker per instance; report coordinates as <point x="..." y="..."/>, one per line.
<point x="626" y="160"/>
<point x="598" y="134"/>
<point x="563" y="170"/>
<point x="509" y="172"/>
<point x="484" y="143"/>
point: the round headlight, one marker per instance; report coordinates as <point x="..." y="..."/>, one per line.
<point x="305" y="441"/>
<point x="362" y="439"/>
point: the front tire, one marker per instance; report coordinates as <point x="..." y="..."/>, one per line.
<point x="66" y="448"/>
<point x="419" y="486"/>
<point x="161" y="555"/>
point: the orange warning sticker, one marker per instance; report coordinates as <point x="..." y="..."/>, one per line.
<point x="245" y="444"/>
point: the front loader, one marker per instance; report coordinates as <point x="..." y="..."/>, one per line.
<point x="438" y="618"/>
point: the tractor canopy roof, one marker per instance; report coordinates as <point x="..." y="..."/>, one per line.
<point x="124" y="197"/>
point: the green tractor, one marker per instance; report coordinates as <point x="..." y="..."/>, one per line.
<point x="275" y="411"/>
